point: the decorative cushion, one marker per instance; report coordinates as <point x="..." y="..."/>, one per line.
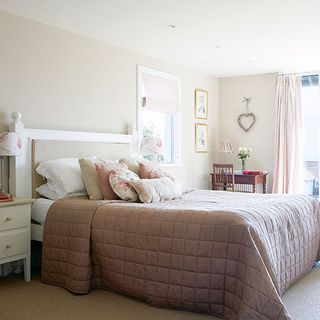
<point x="63" y="176"/>
<point x="155" y="190"/>
<point x="160" y="173"/>
<point x="120" y="182"/>
<point x="90" y="177"/>
<point x="103" y="170"/>
<point x="145" y="168"/>
<point x="132" y="163"/>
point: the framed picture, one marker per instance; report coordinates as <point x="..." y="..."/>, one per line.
<point x="201" y="104"/>
<point x="201" y="137"/>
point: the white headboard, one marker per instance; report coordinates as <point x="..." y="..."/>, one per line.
<point x="20" y="176"/>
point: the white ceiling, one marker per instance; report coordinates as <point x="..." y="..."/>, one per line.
<point x="254" y="36"/>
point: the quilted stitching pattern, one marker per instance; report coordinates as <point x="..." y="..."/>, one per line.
<point x="66" y="244"/>
<point x="224" y="254"/>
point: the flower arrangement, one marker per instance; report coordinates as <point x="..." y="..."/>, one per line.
<point x="244" y="153"/>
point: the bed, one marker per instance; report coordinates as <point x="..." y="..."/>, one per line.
<point x="227" y="254"/>
<point x="40" y="145"/>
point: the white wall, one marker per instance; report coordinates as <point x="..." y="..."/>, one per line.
<point x="262" y="89"/>
<point x="60" y="80"/>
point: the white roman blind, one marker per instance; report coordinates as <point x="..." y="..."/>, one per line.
<point x="158" y="115"/>
<point x="160" y="94"/>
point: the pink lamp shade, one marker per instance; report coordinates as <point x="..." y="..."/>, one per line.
<point x="152" y="148"/>
<point x="151" y="145"/>
<point x="10" y="144"/>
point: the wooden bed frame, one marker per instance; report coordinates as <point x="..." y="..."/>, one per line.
<point x="39" y="145"/>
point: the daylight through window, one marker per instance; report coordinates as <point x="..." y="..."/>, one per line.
<point x="159" y="115"/>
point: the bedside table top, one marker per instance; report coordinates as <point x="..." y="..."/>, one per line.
<point x="17" y="201"/>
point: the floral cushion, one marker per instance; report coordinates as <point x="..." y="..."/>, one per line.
<point x="132" y="163"/>
<point x="145" y="168"/>
<point x="155" y="190"/>
<point x="104" y="170"/>
<point x="120" y="183"/>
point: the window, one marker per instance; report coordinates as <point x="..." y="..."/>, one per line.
<point x="310" y="97"/>
<point x="159" y="115"/>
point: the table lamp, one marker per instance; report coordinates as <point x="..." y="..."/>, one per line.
<point x="226" y="148"/>
<point x="10" y="145"/>
<point x="152" y="149"/>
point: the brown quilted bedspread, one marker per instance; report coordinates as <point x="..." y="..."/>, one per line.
<point x="227" y="254"/>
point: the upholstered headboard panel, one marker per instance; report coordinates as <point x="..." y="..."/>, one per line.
<point x="54" y="149"/>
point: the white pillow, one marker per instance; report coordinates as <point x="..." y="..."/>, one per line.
<point x="63" y="176"/>
<point x="155" y="190"/>
<point x="46" y="192"/>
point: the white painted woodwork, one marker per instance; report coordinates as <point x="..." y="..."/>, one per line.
<point x="15" y="239"/>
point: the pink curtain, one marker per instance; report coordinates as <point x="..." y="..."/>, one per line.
<point x="288" y="155"/>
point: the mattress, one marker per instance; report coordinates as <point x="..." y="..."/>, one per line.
<point x="40" y="209"/>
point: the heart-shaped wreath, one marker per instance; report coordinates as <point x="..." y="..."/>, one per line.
<point x="246" y="121"/>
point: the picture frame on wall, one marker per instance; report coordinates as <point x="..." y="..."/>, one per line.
<point x="201" y="104"/>
<point x="201" y="133"/>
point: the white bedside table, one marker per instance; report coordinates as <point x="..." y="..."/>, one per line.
<point x="15" y="218"/>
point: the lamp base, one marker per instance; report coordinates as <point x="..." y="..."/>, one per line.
<point x="5" y="197"/>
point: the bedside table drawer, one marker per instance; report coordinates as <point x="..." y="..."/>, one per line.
<point x="14" y="217"/>
<point x="13" y="244"/>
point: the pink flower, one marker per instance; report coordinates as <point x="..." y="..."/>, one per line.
<point x="19" y="144"/>
<point x="124" y="185"/>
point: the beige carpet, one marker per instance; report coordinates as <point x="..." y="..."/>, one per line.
<point x="37" y="301"/>
<point x="303" y="299"/>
